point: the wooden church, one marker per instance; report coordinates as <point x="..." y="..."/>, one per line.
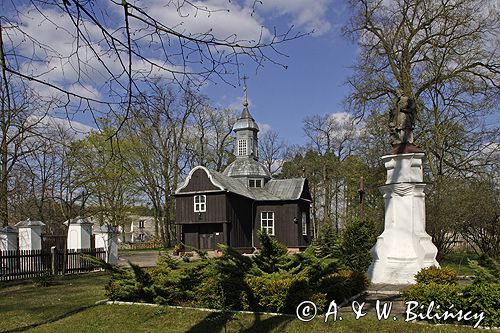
<point x="230" y="207"/>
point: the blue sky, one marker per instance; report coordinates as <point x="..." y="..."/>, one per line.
<point x="313" y="83"/>
<point x="318" y="64"/>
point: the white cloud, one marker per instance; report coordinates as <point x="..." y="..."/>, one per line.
<point x="225" y="20"/>
<point x="74" y="128"/>
<point x="307" y="14"/>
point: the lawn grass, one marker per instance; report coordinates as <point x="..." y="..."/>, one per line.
<point x="24" y="304"/>
<point x="68" y="305"/>
<point x="137" y="318"/>
<point x="458" y="261"/>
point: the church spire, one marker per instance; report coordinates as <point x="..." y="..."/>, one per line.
<point x="245" y="97"/>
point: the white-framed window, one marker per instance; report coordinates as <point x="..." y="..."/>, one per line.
<point x="255" y="183"/>
<point x="242" y="147"/>
<point x="141" y="224"/>
<point x="141" y="237"/>
<point x="267" y="222"/>
<point x="200" y="203"/>
<point x="304" y="224"/>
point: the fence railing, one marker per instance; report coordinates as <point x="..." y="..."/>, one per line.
<point x="25" y="264"/>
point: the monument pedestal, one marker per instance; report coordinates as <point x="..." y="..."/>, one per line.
<point x="404" y="247"/>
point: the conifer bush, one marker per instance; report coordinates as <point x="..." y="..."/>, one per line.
<point x="437" y="275"/>
<point x="356" y="241"/>
<point x="272" y="255"/>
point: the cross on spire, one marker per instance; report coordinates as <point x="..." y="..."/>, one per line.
<point x="245" y="99"/>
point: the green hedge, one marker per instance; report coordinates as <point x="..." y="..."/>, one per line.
<point x="278" y="292"/>
<point x="436" y="275"/>
<point x="439" y="285"/>
<point x="484" y="297"/>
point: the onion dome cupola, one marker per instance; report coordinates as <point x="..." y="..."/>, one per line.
<point x="246" y="130"/>
<point x="246" y="147"/>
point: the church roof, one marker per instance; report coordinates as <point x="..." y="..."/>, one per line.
<point x="245" y="121"/>
<point x="273" y="190"/>
<point x="247" y="167"/>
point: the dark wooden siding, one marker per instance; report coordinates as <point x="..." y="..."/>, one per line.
<point x="306" y="194"/>
<point x="286" y="230"/>
<point x="287" y="221"/>
<point x="240" y="214"/>
<point x="203" y="236"/>
<point x="304" y="240"/>
<point x="216" y="209"/>
<point x="199" y="182"/>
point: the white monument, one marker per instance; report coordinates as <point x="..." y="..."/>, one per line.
<point x="8" y="239"/>
<point x="30" y="234"/>
<point x="404" y="247"/>
<point x="79" y="233"/>
<point x="107" y="237"/>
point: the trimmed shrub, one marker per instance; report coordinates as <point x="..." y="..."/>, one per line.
<point x="444" y="295"/>
<point x="484" y="297"/>
<point x="436" y="275"/>
<point x="278" y="292"/>
<point x="134" y="286"/>
<point x="342" y="285"/>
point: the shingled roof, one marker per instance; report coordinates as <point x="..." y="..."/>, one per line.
<point x="273" y="190"/>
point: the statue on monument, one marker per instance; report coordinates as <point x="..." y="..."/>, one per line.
<point x="402" y="119"/>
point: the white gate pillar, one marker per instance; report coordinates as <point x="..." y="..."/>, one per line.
<point x="107" y="237"/>
<point x="8" y="238"/>
<point x="79" y="233"/>
<point x="30" y="234"/>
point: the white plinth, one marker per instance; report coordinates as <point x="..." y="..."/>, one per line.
<point x="404" y="247"/>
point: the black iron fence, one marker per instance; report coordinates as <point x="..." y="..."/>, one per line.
<point x="25" y="264"/>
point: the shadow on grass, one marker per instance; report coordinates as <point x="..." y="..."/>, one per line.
<point x="214" y="322"/>
<point x="218" y="322"/>
<point x="276" y="323"/>
<point x="51" y="320"/>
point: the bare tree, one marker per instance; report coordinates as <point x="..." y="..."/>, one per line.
<point x="444" y="55"/>
<point x="209" y="137"/>
<point x="272" y="151"/>
<point x="114" y="47"/>
<point x="159" y="131"/>
<point x="20" y="113"/>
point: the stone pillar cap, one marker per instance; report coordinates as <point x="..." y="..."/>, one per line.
<point x="78" y="220"/>
<point x="8" y="230"/>
<point x="28" y="223"/>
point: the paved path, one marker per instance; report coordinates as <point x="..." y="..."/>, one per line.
<point x="141" y="258"/>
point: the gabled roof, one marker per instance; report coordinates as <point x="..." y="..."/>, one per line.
<point x="274" y="190"/>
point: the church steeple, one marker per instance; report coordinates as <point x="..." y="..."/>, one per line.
<point x="246" y="166"/>
<point x="246" y="130"/>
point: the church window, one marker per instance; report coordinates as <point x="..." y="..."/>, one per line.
<point x="200" y="203"/>
<point x="267" y="222"/>
<point x="242" y="147"/>
<point x="304" y="224"/>
<point x="253" y="183"/>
